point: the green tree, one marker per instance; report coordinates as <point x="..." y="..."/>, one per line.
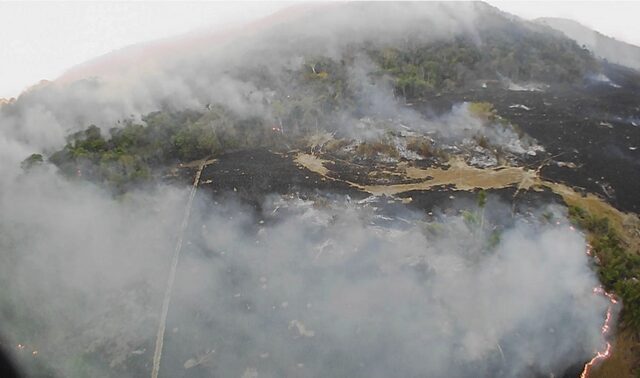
<point x="32" y="161"/>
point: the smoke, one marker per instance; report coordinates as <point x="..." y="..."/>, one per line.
<point x="79" y="269"/>
<point x="380" y="300"/>
<point x="250" y="72"/>
<point x="223" y="70"/>
<point x="305" y="287"/>
<point x="601" y="45"/>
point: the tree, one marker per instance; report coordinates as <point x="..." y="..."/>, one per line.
<point x="481" y="200"/>
<point x="32" y="161"/>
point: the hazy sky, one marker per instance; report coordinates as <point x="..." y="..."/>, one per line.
<point x="618" y="19"/>
<point x="41" y="40"/>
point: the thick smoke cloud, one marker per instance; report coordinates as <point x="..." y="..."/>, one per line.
<point x="213" y="72"/>
<point x="334" y="292"/>
<point x="79" y="269"/>
<point x="247" y="72"/>
<point x="304" y="288"/>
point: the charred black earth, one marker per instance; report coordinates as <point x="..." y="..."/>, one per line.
<point x="594" y="126"/>
<point x="250" y="175"/>
<point x="591" y="134"/>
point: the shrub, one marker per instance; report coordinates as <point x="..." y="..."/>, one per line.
<point x="421" y="146"/>
<point x="482" y="110"/>
<point x="372" y="149"/>
<point x="31" y="161"/>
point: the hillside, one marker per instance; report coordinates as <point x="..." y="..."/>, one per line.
<point x="317" y="195"/>
<point x="601" y="45"/>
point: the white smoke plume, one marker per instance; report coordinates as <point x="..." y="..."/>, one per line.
<point x="213" y="72"/>
<point x="303" y="288"/>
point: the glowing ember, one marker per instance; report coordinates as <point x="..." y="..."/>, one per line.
<point x="606" y="326"/>
<point x="589" y="250"/>
<point x="23" y="347"/>
<point x="603" y="355"/>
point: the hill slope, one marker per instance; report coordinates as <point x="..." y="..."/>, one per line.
<point x="602" y="46"/>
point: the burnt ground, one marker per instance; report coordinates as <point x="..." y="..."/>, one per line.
<point x="444" y="199"/>
<point x="251" y="175"/>
<point x="589" y="125"/>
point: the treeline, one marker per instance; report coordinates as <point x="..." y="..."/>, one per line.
<point x="313" y="97"/>
<point x="135" y="151"/>
<point x="618" y="269"/>
<point x="519" y="55"/>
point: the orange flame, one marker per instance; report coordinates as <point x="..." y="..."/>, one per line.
<point x="606" y="327"/>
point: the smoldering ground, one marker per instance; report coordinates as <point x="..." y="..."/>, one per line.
<point x="304" y="288"/>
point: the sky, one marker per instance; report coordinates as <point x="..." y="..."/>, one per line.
<point x="41" y="40"/>
<point x="618" y="19"/>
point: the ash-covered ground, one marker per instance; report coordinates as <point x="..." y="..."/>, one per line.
<point x="591" y="132"/>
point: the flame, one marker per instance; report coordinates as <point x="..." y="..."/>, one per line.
<point x="606" y="327"/>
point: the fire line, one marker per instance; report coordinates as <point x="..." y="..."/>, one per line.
<point x="606" y="327"/>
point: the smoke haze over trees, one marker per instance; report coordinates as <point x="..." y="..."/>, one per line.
<point x="304" y="284"/>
